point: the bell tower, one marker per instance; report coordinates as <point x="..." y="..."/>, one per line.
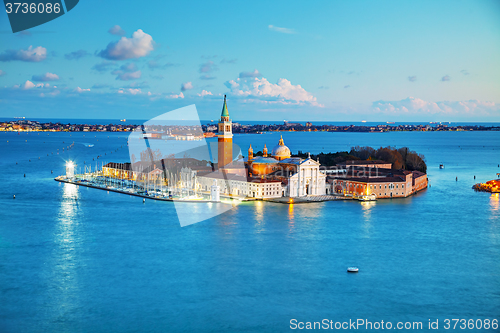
<point x="225" y="138"/>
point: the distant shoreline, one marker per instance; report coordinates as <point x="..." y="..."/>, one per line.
<point x="26" y="125"/>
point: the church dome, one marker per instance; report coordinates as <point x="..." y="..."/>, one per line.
<point x="280" y="152"/>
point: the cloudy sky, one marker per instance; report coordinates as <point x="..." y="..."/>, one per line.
<point x="294" y="60"/>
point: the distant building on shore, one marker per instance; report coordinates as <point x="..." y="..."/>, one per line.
<point x="382" y="182"/>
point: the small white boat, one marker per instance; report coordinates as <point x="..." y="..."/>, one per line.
<point x="352" y="269"/>
<point x="441" y="166"/>
<point x="367" y="197"/>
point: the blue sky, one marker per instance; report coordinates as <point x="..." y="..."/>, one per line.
<point x="323" y="60"/>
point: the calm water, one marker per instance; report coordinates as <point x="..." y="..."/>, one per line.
<point x="74" y="259"/>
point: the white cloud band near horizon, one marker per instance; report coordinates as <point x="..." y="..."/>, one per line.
<point x="260" y="89"/>
<point x="416" y="106"/>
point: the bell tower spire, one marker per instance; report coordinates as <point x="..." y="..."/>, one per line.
<point x="225" y="138"/>
<point x="225" y="114"/>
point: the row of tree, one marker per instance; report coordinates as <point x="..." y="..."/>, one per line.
<point x="401" y="158"/>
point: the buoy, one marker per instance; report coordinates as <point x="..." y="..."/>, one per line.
<point x="14" y="196"/>
<point x="456" y="179"/>
<point x="474" y="177"/>
<point x="24" y="175"/>
<point x="51" y="171"/>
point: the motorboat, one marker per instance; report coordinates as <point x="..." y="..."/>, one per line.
<point x="352" y="269"/>
<point x="367" y="197"/>
<point x="441" y="166"/>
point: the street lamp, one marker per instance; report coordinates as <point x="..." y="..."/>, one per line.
<point x="70" y="169"/>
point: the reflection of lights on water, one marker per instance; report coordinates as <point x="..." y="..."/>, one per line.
<point x="259" y="210"/>
<point x="367" y="206"/>
<point x="68" y="208"/>
<point x="64" y="251"/>
<point x="291" y="220"/>
<point x="494" y="202"/>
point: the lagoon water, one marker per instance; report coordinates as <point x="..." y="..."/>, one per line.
<point x="74" y="259"/>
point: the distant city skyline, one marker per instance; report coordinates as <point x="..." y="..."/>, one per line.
<point x="319" y="61"/>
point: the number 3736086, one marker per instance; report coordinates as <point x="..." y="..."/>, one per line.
<point x="470" y="324"/>
<point x="24" y="7"/>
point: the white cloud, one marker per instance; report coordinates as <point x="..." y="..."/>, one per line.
<point x="282" y="30"/>
<point x="31" y="54"/>
<point x="186" y="86"/>
<point x="130" y="91"/>
<point x="129" y="76"/>
<point x="255" y="73"/>
<point x="207" y="77"/>
<point x="116" y="30"/>
<point x="28" y="85"/>
<point x="180" y="95"/>
<point x="204" y="93"/>
<point x="127" y="72"/>
<point x="76" y="55"/>
<point x="415" y="106"/>
<point x="80" y="90"/>
<point x="208" y="67"/>
<point x="45" y="77"/>
<point x="260" y="89"/>
<point x="140" y="45"/>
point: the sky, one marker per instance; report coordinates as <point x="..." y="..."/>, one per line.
<point x="279" y="60"/>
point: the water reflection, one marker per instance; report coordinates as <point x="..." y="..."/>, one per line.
<point x="64" y="277"/>
<point x="291" y="219"/>
<point x="259" y="212"/>
<point x="367" y="207"/>
<point x="494" y="205"/>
